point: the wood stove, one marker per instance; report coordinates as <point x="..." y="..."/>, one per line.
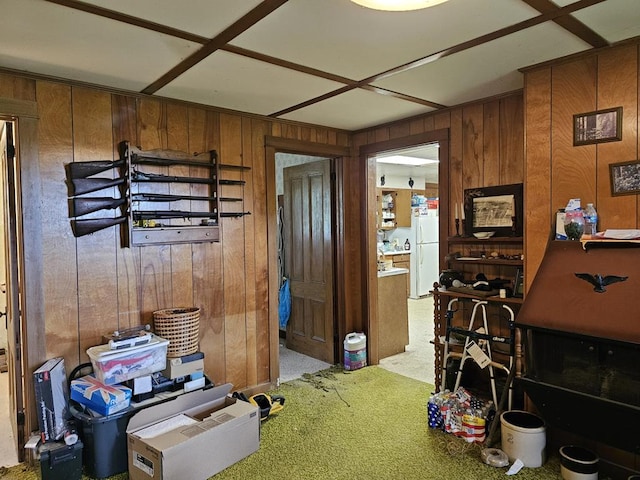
<point x="581" y="340"/>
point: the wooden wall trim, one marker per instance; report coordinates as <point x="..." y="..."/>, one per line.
<point x="19" y="108"/>
<point x="303" y="147"/>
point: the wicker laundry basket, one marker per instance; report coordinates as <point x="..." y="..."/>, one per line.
<point x="181" y="326"/>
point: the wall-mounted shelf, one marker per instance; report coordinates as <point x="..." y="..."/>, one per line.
<point x="159" y="210"/>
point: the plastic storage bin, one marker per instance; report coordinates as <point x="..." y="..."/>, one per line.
<point x="117" y="366"/>
<point x="59" y="461"/>
<point x="105" y="441"/>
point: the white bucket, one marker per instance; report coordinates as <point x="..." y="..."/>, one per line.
<point x="577" y="463"/>
<point x="355" y="351"/>
<point x="523" y="437"/>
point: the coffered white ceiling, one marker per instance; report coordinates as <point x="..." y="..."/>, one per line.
<point x="325" y="62"/>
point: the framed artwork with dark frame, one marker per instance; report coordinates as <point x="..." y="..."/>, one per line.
<point x="494" y="209"/>
<point x="625" y="178"/>
<point x="597" y="127"/>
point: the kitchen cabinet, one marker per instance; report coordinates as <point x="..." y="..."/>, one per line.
<point x="394" y="208"/>
<point x="402" y="260"/>
<point x="393" y="315"/>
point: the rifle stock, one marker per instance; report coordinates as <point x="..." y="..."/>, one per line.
<point x="91" y="225"/>
<point x="86" y="169"/>
<point x="87" y="185"/>
<point x="82" y="206"/>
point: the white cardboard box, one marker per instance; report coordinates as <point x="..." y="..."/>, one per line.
<point x="197" y="435"/>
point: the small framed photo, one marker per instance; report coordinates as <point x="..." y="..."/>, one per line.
<point x="625" y="178"/>
<point x="597" y="127"/>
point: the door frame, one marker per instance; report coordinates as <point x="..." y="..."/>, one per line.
<point x="367" y="155"/>
<point x="24" y="114"/>
<point x="337" y="153"/>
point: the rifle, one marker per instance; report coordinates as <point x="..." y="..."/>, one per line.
<point x="168" y="157"/>
<point x="82" y="206"/>
<point x="157" y="177"/>
<point x="86" y="169"/>
<point x="161" y="197"/>
<point x="87" y="185"/>
<point x="153" y="214"/>
<point x="90" y="225"/>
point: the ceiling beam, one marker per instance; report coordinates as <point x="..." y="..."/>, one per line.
<point x="569" y="23"/>
<point x="503" y="32"/>
<point x="231" y="32"/>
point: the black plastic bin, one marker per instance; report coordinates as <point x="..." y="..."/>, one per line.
<point x="105" y="441"/>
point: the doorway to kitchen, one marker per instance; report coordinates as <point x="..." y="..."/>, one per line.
<point x="407" y="244"/>
<point x="379" y="309"/>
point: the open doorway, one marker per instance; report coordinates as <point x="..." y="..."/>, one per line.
<point x="9" y="381"/>
<point x="307" y="323"/>
<point x="407" y="242"/>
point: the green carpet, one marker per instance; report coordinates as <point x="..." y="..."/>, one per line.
<point x="365" y="424"/>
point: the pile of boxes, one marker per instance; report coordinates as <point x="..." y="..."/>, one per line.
<point x="141" y="411"/>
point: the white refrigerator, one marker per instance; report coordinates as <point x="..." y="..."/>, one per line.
<point x="424" y="266"/>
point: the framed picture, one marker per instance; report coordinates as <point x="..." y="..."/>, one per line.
<point x="494" y="209"/>
<point x="625" y="178"/>
<point x="597" y="127"/>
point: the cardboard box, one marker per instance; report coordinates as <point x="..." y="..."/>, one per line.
<point x="117" y="366"/>
<point x="100" y="398"/>
<point x="197" y="435"/>
<point x="184" y="366"/>
<point x="52" y="399"/>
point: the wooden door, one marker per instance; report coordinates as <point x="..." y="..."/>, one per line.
<point x="14" y="334"/>
<point x="309" y="259"/>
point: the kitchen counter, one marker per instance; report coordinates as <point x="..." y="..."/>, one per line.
<point x="392" y="271"/>
<point x="395" y="252"/>
<point x="393" y="315"/>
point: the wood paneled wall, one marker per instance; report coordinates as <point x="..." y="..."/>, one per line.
<point x="556" y="170"/>
<point x="92" y="286"/>
<point x="485" y="144"/>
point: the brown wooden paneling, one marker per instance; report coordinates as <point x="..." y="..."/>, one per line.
<point x="455" y="188"/>
<point x="492" y="160"/>
<point x="155" y="260"/>
<point x="258" y="206"/>
<point x="96" y="259"/>
<point x="511" y="140"/>
<point x="128" y="265"/>
<point x="617" y="87"/>
<point x="573" y="168"/>
<point x="59" y="246"/>
<point x="208" y="281"/>
<point x="539" y="217"/>
<point x="234" y="258"/>
<point x="472" y="146"/>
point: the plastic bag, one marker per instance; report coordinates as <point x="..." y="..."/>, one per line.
<point x="284" y="307"/>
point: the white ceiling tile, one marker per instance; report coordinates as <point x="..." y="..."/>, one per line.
<point x="357" y="109"/>
<point x="206" y="18"/>
<point x="614" y="20"/>
<point x="49" y="39"/>
<point x="343" y="38"/>
<point x="239" y="83"/>
<point x="486" y="70"/>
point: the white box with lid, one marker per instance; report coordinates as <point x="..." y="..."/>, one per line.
<point x="117" y="366"/>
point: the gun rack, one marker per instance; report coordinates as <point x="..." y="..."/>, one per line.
<point x="166" y="196"/>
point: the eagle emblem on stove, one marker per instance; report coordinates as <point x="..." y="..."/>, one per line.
<point x="599" y="282"/>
